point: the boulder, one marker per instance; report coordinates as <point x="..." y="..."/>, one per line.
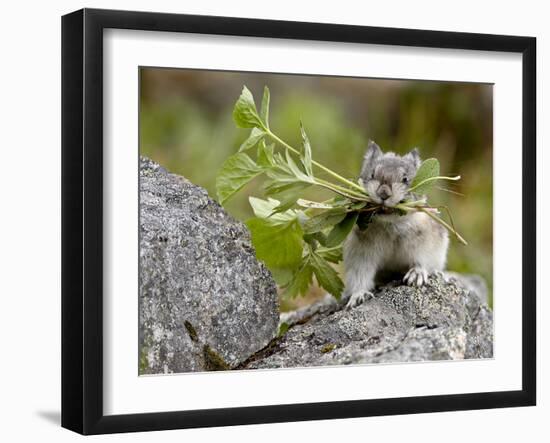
<point x="206" y="303"/>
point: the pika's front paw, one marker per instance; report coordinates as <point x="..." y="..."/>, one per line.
<point x="416" y="276"/>
<point x="358" y="298"/>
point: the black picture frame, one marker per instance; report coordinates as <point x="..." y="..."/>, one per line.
<point x="82" y="220"/>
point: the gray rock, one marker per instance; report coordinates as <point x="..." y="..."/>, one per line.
<point x="472" y="283"/>
<point x="439" y="321"/>
<point x="206" y="303"/>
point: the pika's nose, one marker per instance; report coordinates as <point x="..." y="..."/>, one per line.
<point x="384" y="192"/>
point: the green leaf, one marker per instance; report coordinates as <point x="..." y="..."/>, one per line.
<point x="427" y="170"/>
<point x="264" y="111"/>
<point x="298" y="173"/>
<point x="266" y="209"/>
<point x="333" y="255"/>
<point x="283" y="186"/>
<point x="323" y="220"/>
<point x="306" y="160"/>
<point x="245" y="113"/>
<point x="288" y="200"/>
<point x="235" y="172"/>
<point x="282" y="276"/>
<point x="278" y="246"/>
<point x="285" y="177"/>
<point x="326" y="276"/>
<point x="301" y="280"/>
<point x="356" y="206"/>
<point x="341" y="201"/>
<point x="265" y="154"/>
<point x="339" y="233"/>
<point x="315" y="239"/>
<point x="255" y="136"/>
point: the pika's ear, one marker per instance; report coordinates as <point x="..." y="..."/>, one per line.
<point x="414" y="157"/>
<point x="372" y="154"/>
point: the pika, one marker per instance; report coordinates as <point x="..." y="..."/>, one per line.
<point x="412" y="246"/>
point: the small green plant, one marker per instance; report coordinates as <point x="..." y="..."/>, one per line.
<point x="297" y="238"/>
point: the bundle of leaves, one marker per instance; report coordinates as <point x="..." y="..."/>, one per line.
<point x="298" y="238"/>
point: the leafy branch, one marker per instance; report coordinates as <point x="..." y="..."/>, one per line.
<point x="298" y="239"/>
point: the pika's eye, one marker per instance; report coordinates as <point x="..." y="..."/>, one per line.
<point x="405" y="180"/>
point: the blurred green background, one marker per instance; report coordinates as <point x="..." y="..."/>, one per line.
<point x="186" y="125"/>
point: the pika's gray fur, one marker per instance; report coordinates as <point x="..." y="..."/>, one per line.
<point x="411" y="245"/>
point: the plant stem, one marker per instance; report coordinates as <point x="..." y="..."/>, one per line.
<point x="445" y="224"/>
<point x="338" y="190"/>
<point x="319" y="165"/>
<point x="350" y="193"/>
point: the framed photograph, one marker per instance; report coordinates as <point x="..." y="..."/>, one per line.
<point x="269" y="221"/>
